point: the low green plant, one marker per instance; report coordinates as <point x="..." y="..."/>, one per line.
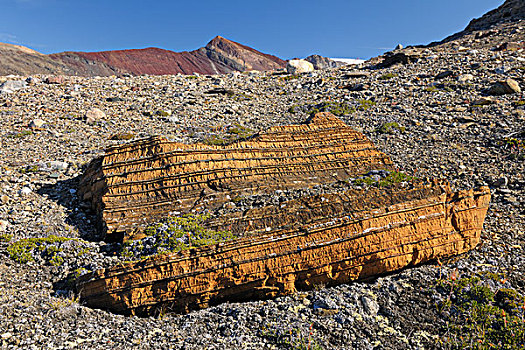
<point x="393" y="178"/>
<point x="22" y="250"/>
<point x="30" y="169"/>
<point x="293" y="109"/>
<point x="21" y="134"/>
<point x="387" y="76"/>
<point x="336" y="108"/>
<point x="292" y="338"/>
<point x="431" y="89"/>
<point x="175" y="234"/>
<point x="5" y="237"/>
<point x="366" y="180"/>
<point x="290" y="77"/>
<point x="363" y="105"/>
<point x="61" y="302"/>
<point x="390" y="128"/>
<point x="234" y="134"/>
<point x="481" y="317"/>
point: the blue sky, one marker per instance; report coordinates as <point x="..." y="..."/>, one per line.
<point x="288" y="29"/>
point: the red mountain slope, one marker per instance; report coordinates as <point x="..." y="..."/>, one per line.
<point x="219" y="56"/>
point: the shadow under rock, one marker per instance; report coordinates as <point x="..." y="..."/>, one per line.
<point x="79" y="213"/>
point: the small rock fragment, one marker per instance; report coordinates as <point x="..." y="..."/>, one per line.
<point x="12" y="86"/>
<point x="465" y="77"/>
<point x="54" y="80"/>
<point x="444" y="74"/>
<point x="483" y="101"/>
<point x="508" y="86"/>
<point x="36" y="123"/>
<point x="94" y="115"/>
<point x="25" y="191"/>
<point x="370" y="306"/>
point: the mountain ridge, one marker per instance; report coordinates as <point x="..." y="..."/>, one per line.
<point x="219" y="56"/>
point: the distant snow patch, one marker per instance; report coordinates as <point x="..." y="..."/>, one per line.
<point x="348" y="60"/>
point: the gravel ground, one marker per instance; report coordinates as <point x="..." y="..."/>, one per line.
<point x="441" y="130"/>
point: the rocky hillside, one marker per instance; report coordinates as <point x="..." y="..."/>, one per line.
<point x="219" y="56"/>
<point x="20" y="60"/>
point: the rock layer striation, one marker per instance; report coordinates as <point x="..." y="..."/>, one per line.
<point x="138" y="183"/>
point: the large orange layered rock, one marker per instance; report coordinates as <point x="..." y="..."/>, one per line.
<point x="326" y="238"/>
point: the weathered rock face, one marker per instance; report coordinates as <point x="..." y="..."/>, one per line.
<point x="325" y="239"/>
<point x="12" y="85"/>
<point x="320" y="62"/>
<point x="406" y="57"/>
<point x="137" y="184"/>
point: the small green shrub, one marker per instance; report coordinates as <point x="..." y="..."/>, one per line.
<point x="22" y="251"/>
<point x="122" y="136"/>
<point x="30" y="169"/>
<point x="366" y="180"/>
<point x="432" y="89"/>
<point x="336" y="108"/>
<point x="234" y="134"/>
<point x="387" y="76"/>
<point x="290" y="77"/>
<point x="364" y="105"/>
<point x="390" y="128"/>
<point x="5" y="237"/>
<point x="394" y="178"/>
<point x="21" y="134"/>
<point x="479" y="318"/>
<point x="175" y="234"/>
